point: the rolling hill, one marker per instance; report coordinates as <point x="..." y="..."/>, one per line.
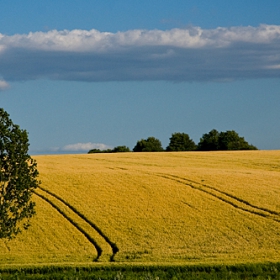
<point x="180" y="207"/>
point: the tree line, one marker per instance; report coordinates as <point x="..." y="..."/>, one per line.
<point x="211" y="141"/>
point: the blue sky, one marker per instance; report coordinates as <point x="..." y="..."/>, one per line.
<point x="97" y="74"/>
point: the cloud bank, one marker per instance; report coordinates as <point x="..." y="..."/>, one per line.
<point x="72" y="148"/>
<point x="192" y="54"/>
<point x="84" y="147"/>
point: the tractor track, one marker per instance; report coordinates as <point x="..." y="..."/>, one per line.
<point x="76" y="225"/>
<point x="99" y="250"/>
<point x="225" y="197"/>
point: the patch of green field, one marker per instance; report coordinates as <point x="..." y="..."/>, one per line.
<point x="176" y="208"/>
<point x="147" y="272"/>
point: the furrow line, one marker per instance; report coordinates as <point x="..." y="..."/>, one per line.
<point x="113" y="245"/>
<point x="76" y="225"/>
<point x="266" y="213"/>
<point x="236" y="198"/>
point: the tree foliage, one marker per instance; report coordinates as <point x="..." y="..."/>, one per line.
<point x="209" y="141"/>
<point x="181" y="142"/>
<point x="229" y="140"/>
<point x="18" y="178"/>
<point x="121" y="149"/>
<point x="118" y="149"/>
<point x="151" y="144"/>
<point x="98" y="151"/>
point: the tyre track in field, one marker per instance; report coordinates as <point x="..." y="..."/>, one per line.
<point x="225" y="197"/>
<point x="76" y="225"/>
<point x="113" y="246"/>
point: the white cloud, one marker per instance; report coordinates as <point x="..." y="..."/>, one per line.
<point x="277" y="66"/>
<point x="192" y="54"/>
<point x="71" y="148"/>
<point x="84" y="147"/>
<point x="3" y="85"/>
<point x="96" y="41"/>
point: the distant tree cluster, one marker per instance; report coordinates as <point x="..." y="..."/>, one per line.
<point x="223" y="141"/>
<point x="212" y="141"/>
<point x="118" y="149"/>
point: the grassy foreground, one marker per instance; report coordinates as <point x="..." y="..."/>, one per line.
<point x="189" y="208"/>
<point x="171" y="272"/>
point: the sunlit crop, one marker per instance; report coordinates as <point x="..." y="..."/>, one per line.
<point x="193" y="207"/>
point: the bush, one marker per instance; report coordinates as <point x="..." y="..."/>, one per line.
<point x="121" y="149"/>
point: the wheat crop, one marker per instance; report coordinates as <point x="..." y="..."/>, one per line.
<point x="194" y="207"/>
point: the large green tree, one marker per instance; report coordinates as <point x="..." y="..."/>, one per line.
<point x="151" y="144"/>
<point x="209" y="141"/>
<point x="18" y="178"/>
<point x="181" y="142"/>
<point x="228" y="140"/>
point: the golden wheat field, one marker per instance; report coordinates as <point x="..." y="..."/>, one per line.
<point x="185" y="207"/>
